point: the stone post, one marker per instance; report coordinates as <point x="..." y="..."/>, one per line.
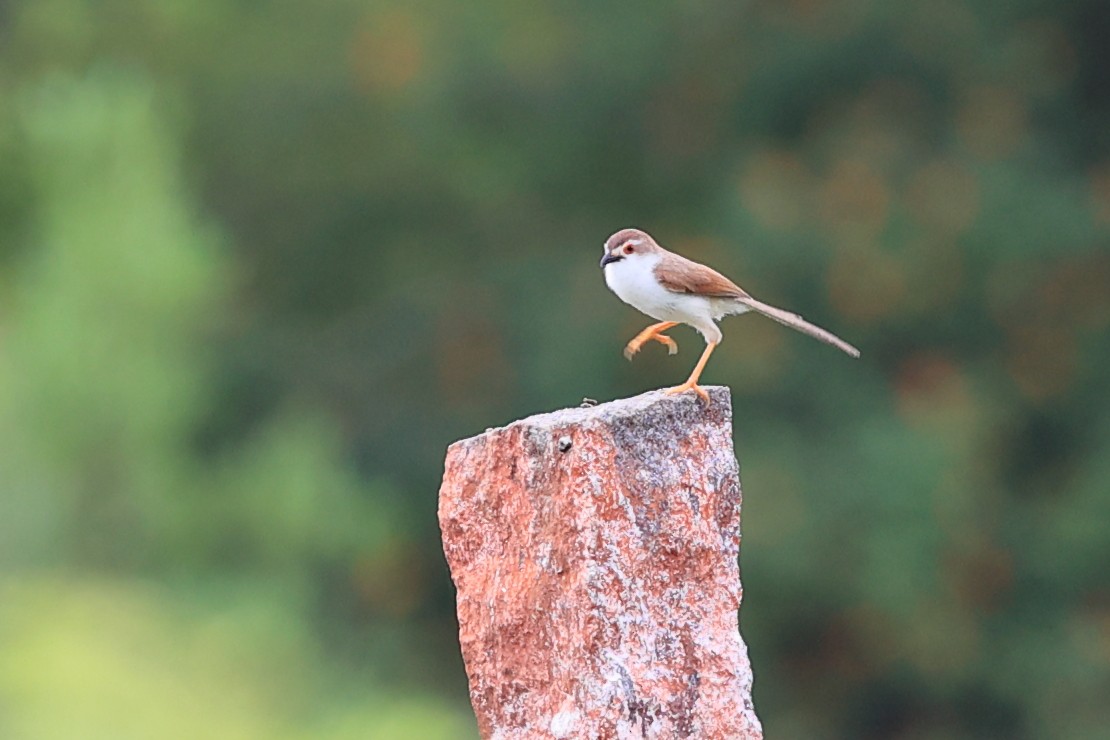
<point x="594" y="551"/>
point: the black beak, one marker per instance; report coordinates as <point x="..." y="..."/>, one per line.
<point x="610" y="257"/>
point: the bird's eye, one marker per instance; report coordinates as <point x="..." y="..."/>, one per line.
<point x="629" y="249"/>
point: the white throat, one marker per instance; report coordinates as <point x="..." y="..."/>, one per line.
<point x="633" y="280"/>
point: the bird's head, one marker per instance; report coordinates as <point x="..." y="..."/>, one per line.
<point x="627" y="244"/>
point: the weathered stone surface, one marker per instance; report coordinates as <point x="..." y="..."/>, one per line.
<point x="594" y="551"/>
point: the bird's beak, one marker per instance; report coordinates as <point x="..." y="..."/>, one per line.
<point x="610" y="257"/>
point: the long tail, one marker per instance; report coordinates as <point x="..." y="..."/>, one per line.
<point x="794" y="321"/>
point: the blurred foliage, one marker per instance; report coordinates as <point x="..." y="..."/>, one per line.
<point x="261" y="262"/>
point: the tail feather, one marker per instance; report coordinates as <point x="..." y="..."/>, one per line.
<point x="794" y="321"/>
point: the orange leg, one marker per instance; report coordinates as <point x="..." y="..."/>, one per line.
<point x="652" y="332"/>
<point x="692" y="382"/>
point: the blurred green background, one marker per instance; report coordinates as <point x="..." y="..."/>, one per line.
<point x="260" y="262"/>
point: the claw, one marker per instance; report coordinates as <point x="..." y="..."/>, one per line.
<point x="689" y="386"/>
<point x="672" y="345"/>
<point x="652" y="332"/>
<point x="633" y="347"/>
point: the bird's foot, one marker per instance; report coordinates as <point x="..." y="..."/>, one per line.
<point x="634" y="346"/>
<point x="689" y="385"/>
<point x="672" y="345"/>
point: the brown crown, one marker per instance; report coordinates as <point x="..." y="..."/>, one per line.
<point x="624" y="235"/>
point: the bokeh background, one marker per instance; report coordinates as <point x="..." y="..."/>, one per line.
<point x="260" y="262"/>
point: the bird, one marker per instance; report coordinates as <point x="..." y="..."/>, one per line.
<point x="675" y="290"/>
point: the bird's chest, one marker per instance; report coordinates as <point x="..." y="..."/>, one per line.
<point x="637" y="286"/>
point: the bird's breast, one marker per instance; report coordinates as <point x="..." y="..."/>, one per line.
<point x="634" y="282"/>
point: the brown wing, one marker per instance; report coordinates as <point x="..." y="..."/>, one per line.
<point x="680" y="275"/>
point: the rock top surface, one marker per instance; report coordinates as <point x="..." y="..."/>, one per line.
<point x="594" y="551"/>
